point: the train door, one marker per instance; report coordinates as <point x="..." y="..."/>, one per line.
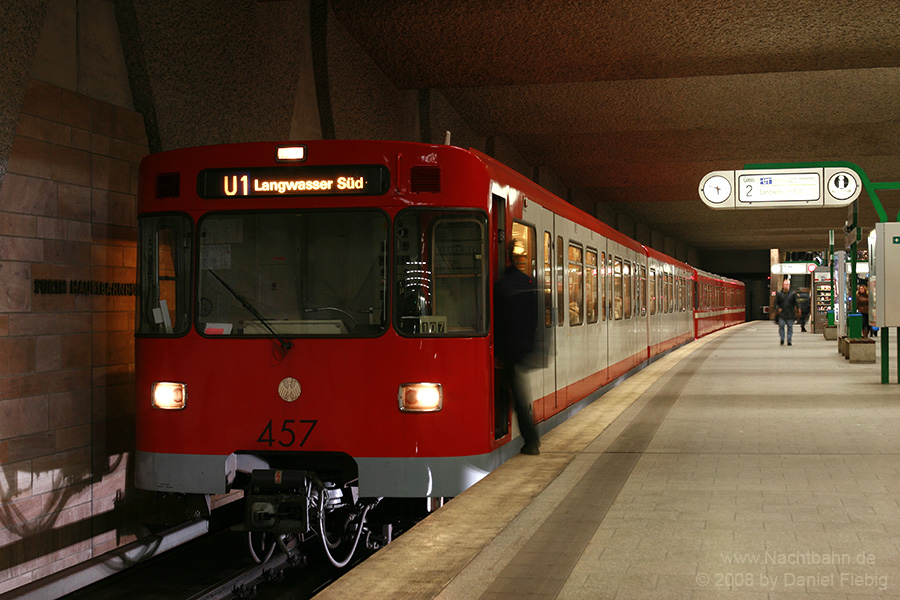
<point x="619" y="338"/>
<point x="642" y="303"/>
<point x="655" y="333"/>
<point x="569" y="308"/>
<point x="543" y="379"/>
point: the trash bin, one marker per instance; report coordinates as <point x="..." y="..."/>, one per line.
<point x="854" y="326"/>
<point x="830" y="315"/>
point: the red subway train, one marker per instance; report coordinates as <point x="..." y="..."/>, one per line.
<point x="314" y="323"/>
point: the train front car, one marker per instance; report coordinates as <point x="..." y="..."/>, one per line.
<point x="313" y="328"/>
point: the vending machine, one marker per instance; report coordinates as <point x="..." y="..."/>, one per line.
<point x="821" y="299"/>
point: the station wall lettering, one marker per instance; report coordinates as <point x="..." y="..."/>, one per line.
<point x="84" y="287"/>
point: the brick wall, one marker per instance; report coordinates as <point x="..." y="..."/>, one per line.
<point x="67" y="213"/>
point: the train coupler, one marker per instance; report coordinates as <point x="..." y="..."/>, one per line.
<point x="278" y="501"/>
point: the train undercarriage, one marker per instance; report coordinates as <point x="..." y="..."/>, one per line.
<point x="287" y="507"/>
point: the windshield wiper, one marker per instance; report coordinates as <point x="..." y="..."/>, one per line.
<point x="285" y="344"/>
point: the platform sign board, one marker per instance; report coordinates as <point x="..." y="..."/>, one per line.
<point x="807" y="187"/>
<point x="793" y="268"/>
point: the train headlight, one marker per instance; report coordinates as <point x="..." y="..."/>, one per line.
<point x="168" y="395"/>
<point x="421" y="397"/>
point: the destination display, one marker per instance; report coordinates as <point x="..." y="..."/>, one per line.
<point x="779" y="187"/>
<point x="352" y="180"/>
<point x="803" y="186"/>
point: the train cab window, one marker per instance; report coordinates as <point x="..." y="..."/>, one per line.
<point x="293" y="274"/>
<point x="548" y="280"/>
<point x="591" y="286"/>
<point x="441" y="268"/>
<point x="628" y="291"/>
<point x="164" y="275"/>
<point x="576" y="285"/>
<point x="618" y="307"/>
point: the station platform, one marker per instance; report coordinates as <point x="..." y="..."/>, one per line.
<point x="732" y="467"/>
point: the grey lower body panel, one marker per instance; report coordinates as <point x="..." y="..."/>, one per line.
<point x="389" y="477"/>
<point x="184" y="473"/>
<point x="428" y="476"/>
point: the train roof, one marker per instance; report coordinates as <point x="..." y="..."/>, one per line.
<point x="503" y="174"/>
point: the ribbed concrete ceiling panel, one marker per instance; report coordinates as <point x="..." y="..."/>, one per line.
<point x="633" y="102"/>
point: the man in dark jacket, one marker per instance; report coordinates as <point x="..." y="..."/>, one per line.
<point x="515" y="321"/>
<point x="803" y="304"/>
<point x="786" y="311"/>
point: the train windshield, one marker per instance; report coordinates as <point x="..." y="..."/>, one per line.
<point x="441" y="262"/>
<point x="304" y="273"/>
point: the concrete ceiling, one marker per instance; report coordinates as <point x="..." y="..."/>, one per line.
<point x="633" y="101"/>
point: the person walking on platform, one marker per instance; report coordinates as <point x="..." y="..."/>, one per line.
<point x="862" y="307"/>
<point x="786" y="311"/>
<point x="515" y="322"/>
<point x="803" y="303"/>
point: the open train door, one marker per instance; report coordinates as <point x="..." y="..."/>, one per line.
<point x="538" y="222"/>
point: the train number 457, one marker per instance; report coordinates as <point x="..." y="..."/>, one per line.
<point x="288" y="434"/>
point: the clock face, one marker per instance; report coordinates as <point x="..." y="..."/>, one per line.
<point x="717" y="189"/>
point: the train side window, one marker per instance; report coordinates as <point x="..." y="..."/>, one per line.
<point x="690" y="293"/>
<point x="652" y="291"/>
<point x="603" y="283"/>
<point x="609" y="286"/>
<point x="618" y="308"/>
<point x="164" y="275"/>
<point x="676" y="281"/>
<point x="628" y="291"/>
<point x="643" y="289"/>
<point x="548" y="280"/>
<point x="560" y="285"/>
<point x="636" y="287"/>
<point x="663" y="292"/>
<point x="673" y="297"/>
<point x="591" y="286"/>
<point x="525" y="249"/>
<point x="576" y="285"/>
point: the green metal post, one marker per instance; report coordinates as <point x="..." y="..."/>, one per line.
<point x="831" y="265"/>
<point x="854" y="248"/>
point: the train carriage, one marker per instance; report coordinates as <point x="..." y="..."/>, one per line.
<point x="314" y="321"/>
<point x="719" y="302"/>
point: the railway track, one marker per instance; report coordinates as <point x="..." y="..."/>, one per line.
<point x="218" y="566"/>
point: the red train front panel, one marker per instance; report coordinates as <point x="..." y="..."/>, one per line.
<point x="297" y="313"/>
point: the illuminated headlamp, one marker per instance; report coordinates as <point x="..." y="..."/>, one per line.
<point x="290" y="154"/>
<point x="168" y="395"/>
<point x="421" y="397"/>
